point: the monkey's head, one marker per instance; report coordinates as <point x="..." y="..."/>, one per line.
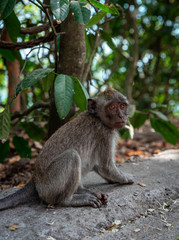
<point x="111" y="107"/>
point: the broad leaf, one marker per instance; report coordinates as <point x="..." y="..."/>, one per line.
<point x="159" y="114"/>
<point x="166" y="128"/>
<point x="95" y="19"/>
<point x="22" y="147"/>
<point x="48" y="81"/>
<point x="5" y="119"/>
<point x="109" y="9"/>
<point x="32" y="78"/>
<point x="60" y="8"/>
<point x="4" y="150"/>
<point x="106" y="37"/>
<point x="138" y="119"/>
<point x="64" y="91"/>
<point x="81" y="12"/>
<point x="6" y="8"/>
<point x="35" y="132"/>
<point x="12" y="26"/>
<point x="80" y="94"/>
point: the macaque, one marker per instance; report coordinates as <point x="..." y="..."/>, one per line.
<point x="86" y="143"/>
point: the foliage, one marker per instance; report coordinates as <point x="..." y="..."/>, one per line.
<point x="64" y="91"/>
<point x="34" y="131"/>
<point x="32" y="78"/>
<point x="22" y="147"/>
<point x="5" y="123"/>
<point x="4" y="150"/>
<point x="111" y="41"/>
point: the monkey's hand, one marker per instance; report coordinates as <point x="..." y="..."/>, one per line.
<point x="127" y="178"/>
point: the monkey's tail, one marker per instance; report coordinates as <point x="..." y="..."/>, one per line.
<point x="25" y="194"/>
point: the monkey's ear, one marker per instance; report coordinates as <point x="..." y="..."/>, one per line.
<point x="91" y="106"/>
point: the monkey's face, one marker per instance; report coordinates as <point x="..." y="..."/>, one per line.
<point x="111" y="107"/>
<point x="115" y="114"/>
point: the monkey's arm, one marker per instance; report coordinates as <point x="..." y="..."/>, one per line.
<point x="112" y="174"/>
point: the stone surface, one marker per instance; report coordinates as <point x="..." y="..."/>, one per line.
<point x="148" y="209"/>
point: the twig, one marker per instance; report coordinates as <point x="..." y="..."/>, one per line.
<point x="87" y="66"/>
<point x="96" y="9"/>
<point x="37" y="105"/>
<point x="36" y="5"/>
<point x="108" y="20"/>
<point x="39" y="57"/>
<point x="48" y="16"/>
<point x="121" y="9"/>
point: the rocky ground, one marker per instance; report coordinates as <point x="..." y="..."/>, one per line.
<point x="148" y="209"/>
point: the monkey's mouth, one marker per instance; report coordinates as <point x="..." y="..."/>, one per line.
<point x="120" y="124"/>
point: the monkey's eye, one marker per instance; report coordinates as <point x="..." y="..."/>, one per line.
<point x="112" y="107"/>
<point x="122" y="106"/>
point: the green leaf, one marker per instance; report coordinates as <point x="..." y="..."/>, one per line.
<point x="106" y="37"/>
<point x="166" y="129"/>
<point x="80" y="94"/>
<point x="95" y="19"/>
<point x="7" y="54"/>
<point x="22" y="147"/>
<point x="138" y="119"/>
<point x="109" y="9"/>
<point x="32" y="78"/>
<point x="81" y="12"/>
<point x="12" y="26"/>
<point x="64" y="91"/>
<point x="11" y="55"/>
<point x="6" y="8"/>
<point x="5" y="123"/>
<point x="159" y="114"/>
<point x="48" y="81"/>
<point x="60" y="9"/>
<point x="34" y="131"/>
<point x="4" y="150"/>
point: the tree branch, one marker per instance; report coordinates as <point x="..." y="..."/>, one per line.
<point x="37" y="29"/>
<point x="37" y="105"/>
<point x="22" y="45"/>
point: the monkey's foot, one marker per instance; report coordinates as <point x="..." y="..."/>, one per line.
<point x="102" y="197"/>
<point x="87" y="199"/>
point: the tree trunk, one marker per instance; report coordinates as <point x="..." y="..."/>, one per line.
<point x="71" y="62"/>
<point x="130" y="76"/>
<point x="13" y="69"/>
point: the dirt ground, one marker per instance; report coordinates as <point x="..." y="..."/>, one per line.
<point x="148" y="209"/>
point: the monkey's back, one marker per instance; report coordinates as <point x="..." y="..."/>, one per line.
<point x="80" y="134"/>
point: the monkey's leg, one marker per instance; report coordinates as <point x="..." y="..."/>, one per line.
<point x="60" y="181"/>
<point x="113" y="175"/>
<point x="95" y="169"/>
